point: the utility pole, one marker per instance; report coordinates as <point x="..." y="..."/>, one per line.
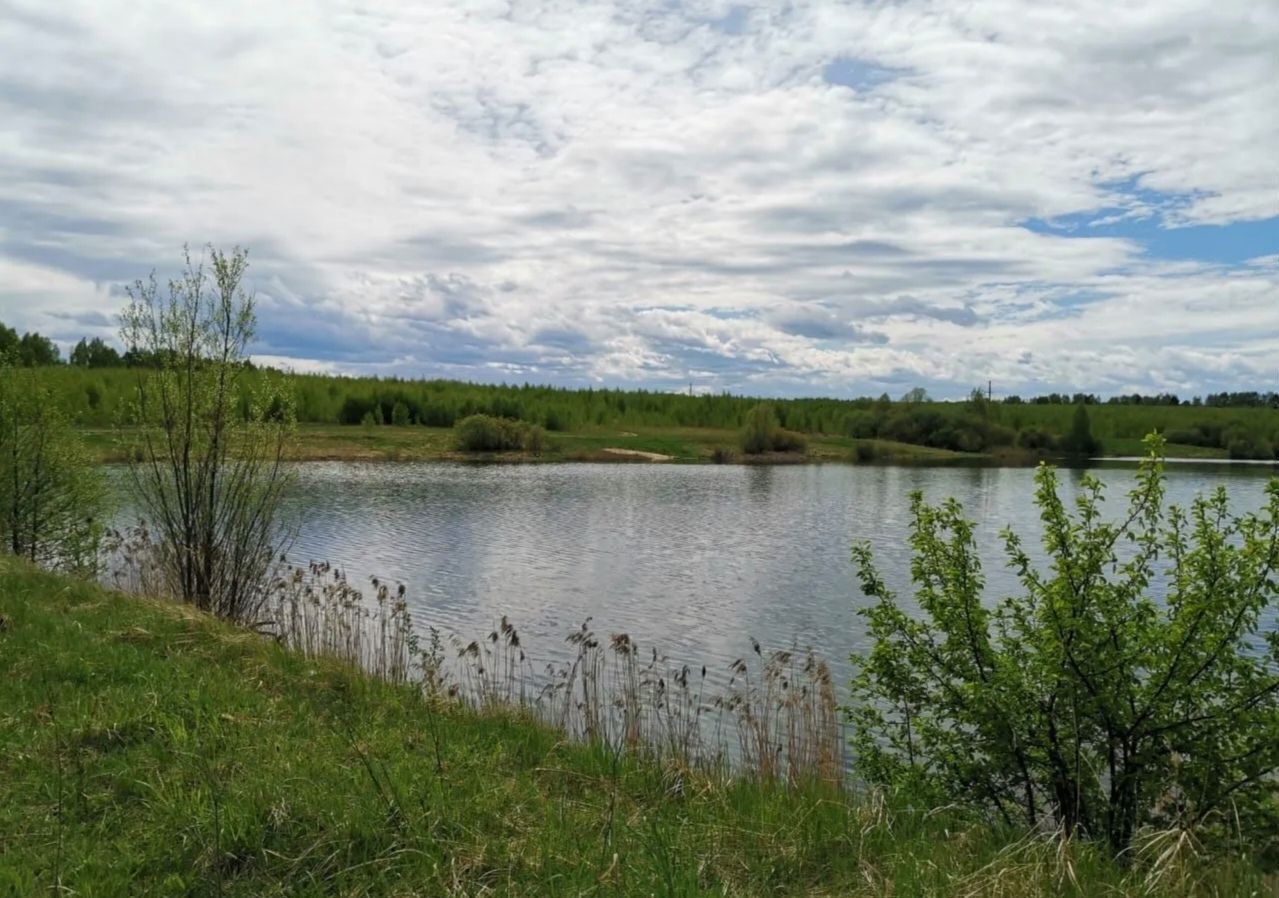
<point x="990" y="391"/>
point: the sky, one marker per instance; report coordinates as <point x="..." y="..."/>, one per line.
<point x="803" y="197"/>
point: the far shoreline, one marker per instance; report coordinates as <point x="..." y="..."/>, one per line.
<point x="649" y="446"/>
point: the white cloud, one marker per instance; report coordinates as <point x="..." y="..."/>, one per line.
<point x="644" y="192"/>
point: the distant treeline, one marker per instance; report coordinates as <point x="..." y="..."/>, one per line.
<point x="35" y="350"/>
<point x="1246" y="399"/>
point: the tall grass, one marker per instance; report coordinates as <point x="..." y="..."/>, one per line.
<point x="773" y="715"/>
<point x="147" y="749"/>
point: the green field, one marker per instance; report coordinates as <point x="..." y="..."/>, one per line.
<point x="146" y="749"/>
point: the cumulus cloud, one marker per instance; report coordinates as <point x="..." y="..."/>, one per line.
<point x="801" y="197"/>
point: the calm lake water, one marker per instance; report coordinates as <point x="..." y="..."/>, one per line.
<point x="692" y="560"/>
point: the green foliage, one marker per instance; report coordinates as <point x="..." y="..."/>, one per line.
<point x="1079" y="441"/>
<point x="31" y="350"/>
<point x="764" y="433"/>
<point x="1036" y="439"/>
<point x="1242" y="444"/>
<point x="95" y="354"/>
<point x="400" y="416"/>
<point x="209" y="476"/>
<point x="150" y="750"/>
<point x="51" y="494"/>
<point x="485" y="433"/>
<point x="1207" y="434"/>
<point x="1127" y="686"/>
<point x="534" y="439"/>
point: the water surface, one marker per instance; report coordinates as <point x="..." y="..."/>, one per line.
<point x="694" y="560"/>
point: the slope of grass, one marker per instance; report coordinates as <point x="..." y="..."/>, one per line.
<point x="147" y="749"/>
<point x="333" y="442"/>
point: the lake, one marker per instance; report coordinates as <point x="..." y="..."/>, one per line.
<point x="692" y="560"/>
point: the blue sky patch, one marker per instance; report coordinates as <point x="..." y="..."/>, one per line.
<point x="732" y="22"/>
<point x="848" y="71"/>
<point x="1142" y="214"/>
<point x="1228" y="244"/>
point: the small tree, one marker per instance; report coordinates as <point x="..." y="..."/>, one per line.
<point x="761" y="424"/>
<point x="1127" y="685"/>
<point x="95" y="354"/>
<point x="764" y="433"/>
<point x="51" y="494"/>
<point x="400" y="415"/>
<point x="210" y="474"/>
<point x="1080" y="442"/>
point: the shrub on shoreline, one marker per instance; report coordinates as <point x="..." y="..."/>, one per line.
<point x="764" y="433"/>
<point x="485" y="433"/>
<point x="1089" y="703"/>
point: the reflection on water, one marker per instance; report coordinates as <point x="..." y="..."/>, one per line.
<point x="691" y="560"/>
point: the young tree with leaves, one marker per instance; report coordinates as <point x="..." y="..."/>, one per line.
<point x="1079" y="441"/>
<point x="95" y="353"/>
<point x="51" y="494"/>
<point x="1129" y="684"/>
<point x="210" y="475"/>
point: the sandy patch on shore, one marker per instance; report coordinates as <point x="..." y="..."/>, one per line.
<point x="638" y="453"/>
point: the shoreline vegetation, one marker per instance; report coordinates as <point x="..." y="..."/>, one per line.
<point x="150" y="748"/>
<point x="632" y="445"/>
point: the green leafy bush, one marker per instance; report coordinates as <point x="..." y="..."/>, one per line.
<point x="764" y="433"/>
<point x="1242" y="444"/>
<point x="1036" y="439"/>
<point x="533" y="440"/>
<point x="1202" y="434"/>
<point x="486" y="433"/>
<point x="1127" y="685"/>
<point x="864" y="451"/>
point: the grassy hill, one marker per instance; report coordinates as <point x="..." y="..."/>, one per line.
<point x="146" y="749"/>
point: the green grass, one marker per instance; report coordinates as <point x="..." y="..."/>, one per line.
<point x="148" y="750"/>
<point x="334" y="442"/>
<point x="1133" y="447"/>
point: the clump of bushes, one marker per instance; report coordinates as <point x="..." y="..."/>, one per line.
<point x="1240" y="444"/>
<point x="1204" y="434"/>
<point x="960" y="431"/>
<point x="764" y="433"/>
<point x="1036" y="439"/>
<point x="485" y="433"/>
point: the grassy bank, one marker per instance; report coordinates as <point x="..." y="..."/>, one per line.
<point x="689" y="445"/>
<point x="147" y="749"/>
<point x="686" y="445"/>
